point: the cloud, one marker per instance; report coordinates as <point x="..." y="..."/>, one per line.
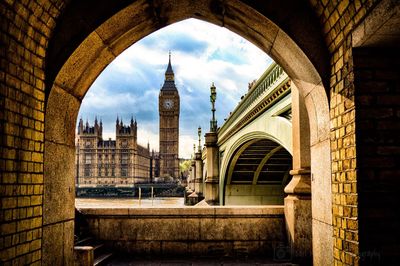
<point x="202" y="53"/>
<point x="175" y="41"/>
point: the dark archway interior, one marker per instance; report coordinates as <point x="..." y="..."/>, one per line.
<point x="263" y="162"/>
<point x="258" y="173"/>
<point x="377" y="73"/>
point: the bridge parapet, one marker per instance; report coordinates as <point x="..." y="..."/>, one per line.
<point x="269" y="89"/>
<point x="199" y="231"/>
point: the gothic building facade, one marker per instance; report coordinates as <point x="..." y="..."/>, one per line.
<point x="122" y="163"/>
<point x="169" y="107"/>
<point x="119" y="163"/>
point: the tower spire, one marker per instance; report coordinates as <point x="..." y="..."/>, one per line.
<point x="169" y="73"/>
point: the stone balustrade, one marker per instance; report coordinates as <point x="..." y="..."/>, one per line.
<point x="198" y="231"/>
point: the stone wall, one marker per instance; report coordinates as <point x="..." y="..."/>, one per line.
<point x="190" y="231"/>
<point x="245" y="194"/>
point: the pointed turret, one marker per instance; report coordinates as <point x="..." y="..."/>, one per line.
<point x="101" y="128"/>
<point x="134" y="128"/>
<point x="80" y="127"/>
<point x="96" y="125"/>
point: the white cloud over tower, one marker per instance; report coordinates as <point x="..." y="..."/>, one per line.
<point x="202" y="53"/>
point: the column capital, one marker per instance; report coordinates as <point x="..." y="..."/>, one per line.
<point x="300" y="183"/>
<point x="302" y="171"/>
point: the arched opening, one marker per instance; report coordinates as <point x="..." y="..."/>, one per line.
<point x="73" y="65"/>
<point x="257" y="174"/>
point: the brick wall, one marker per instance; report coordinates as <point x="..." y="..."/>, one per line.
<point x="25" y="29"/>
<point x="377" y="97"/>
<point x="343" y="149"/>
<point x="338" y="20"/>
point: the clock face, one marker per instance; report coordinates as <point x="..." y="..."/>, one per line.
<point x="168" y="103"/>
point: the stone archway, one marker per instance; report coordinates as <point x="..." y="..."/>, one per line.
<point x="257" y="174"/>
<point x="116" y="28"/>
<point x="232" y="148"/>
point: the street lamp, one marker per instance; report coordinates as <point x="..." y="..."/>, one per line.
<point x="199" y="133"/>
<point x="213" y="97"/>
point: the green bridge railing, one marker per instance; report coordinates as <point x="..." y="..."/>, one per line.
<point x="266" y="81"/>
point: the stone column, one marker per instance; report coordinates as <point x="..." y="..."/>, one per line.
<point x="83" y="256"/>
<point x="193" y="175"/>
<point x="189" y="187"/>
<point x="298" y="201"/>
<point x="199" y="174"/>
<point x="212" y="179"/>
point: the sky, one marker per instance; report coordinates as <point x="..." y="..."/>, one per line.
<point x="201" y="53"/>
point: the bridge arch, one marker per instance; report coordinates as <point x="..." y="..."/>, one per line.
<point x="82" y="45"/>
<point x="254" y="154"/>
<point x="229" y="149"/>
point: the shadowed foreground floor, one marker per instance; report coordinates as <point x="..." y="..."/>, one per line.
<point x="197" y="261"/>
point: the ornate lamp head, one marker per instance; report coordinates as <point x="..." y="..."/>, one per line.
<point x="199" y="133"/>
<point x="213" y="97"/>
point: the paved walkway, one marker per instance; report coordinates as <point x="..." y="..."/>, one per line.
<point x="196" y="262"/>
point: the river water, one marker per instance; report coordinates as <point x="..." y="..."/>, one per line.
<point x="128" y="203"/>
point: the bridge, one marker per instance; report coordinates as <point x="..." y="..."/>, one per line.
<point x="260" y="156"/>
<point x="255" y="143"/>
<point x="254" y="146"/>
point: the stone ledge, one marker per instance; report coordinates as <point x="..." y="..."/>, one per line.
<point x="189" y="231"/>
<point x="187" y="212"/>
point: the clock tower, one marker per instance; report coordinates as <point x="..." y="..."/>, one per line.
<point x="168" y="107"/>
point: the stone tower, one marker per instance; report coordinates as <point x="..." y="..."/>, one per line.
<point x="168" y="106"/>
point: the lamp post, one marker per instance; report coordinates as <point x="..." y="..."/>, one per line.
<point x="199" y="169"/>
<point x="213" y="97"/>
<point x="212" y="160"/>
<point x="199" y="133"/>
<point x="194" y="167"/>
